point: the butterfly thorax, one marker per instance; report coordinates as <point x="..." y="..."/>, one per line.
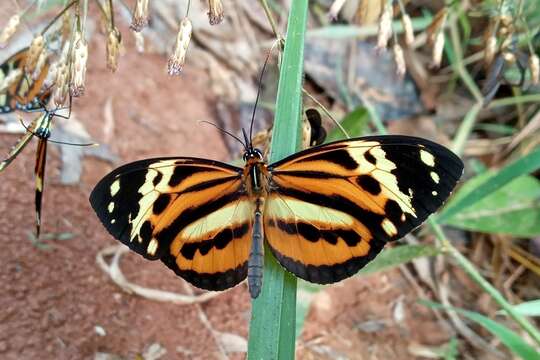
<point x="255" y="173"/>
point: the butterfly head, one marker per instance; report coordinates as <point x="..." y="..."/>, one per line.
<point x="252" y="155"/>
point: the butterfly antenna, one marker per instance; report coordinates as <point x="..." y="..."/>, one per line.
<point x="248" y="141"/>
<point x="225" y="132"/>
<point x="54" y="141"/>
<point x="258" y="93"/>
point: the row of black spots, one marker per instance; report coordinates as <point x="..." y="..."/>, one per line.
<point x="326" y="274"/>
<point x="371" y="220"/>
<point x="219" y="241"/>
<point x="313" y="234"/>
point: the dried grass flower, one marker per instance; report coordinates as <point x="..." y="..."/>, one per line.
<point x="178" y="57"/>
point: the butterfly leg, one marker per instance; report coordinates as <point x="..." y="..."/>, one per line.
<point x="256" y="255"/>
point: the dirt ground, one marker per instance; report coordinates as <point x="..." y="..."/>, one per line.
<point x="52" y="300"/>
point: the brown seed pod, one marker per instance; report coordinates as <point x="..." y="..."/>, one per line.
<point x="36" y="48"/>
<point x="215" y="12"/>
<point x="113" y="48"/>
<point x="140" y="15"/>
<point x="385" y="26"/>
<point x="79" y="56"/>
<point x="178" y="57"/>
<point x="9" y="30"/>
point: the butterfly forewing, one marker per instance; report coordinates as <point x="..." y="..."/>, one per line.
<point x="332" y="208"/>
<point x="193" y="214"/>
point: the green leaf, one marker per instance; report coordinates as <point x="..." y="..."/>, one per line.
<point x="508" y="337"/>
<point x="349" y="31"/>
<point x="525" y="165"/>
<point x="528" y="308"/>
<point x="396" y="256"/>
<point x="272" y="330"/>
<point x="354" y="124"/>
<point x="512" y="209"/>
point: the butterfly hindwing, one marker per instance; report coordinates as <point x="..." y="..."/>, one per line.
<point x="193" y="214"/>
<point x="332" y="208"/>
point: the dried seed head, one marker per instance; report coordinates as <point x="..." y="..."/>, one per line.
<point x="9" y="80"/>
<point x="140" y="15"/>
<point x="66" y="27"/>
<point x="113" y="48"/>
<point x="61" y="83"/>
<point x="139" y="41"/>
<point x="490" y="50"/>
<point x="9" y="30"/>
<point x="438" y="48"/>
<point x="36" y="48"/>
<point x="534" y="67"/>
<point x="385" y="26"/>
<point x="408" y="29"/>
<point x="79" y="56"/>
<point x="62" y="78"/>
<point x="436" y="25"/>
<point x="401" y="68"/>
<point x="41" y="62"/>
<point x="215" y="13"/>
<point x="178" y="57"/>
<point x="335" y="8"/>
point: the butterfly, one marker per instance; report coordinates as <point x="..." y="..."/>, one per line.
<point x="324" y="212"/>
<point x="41" y="129"/>
<point x="25" y="93"/>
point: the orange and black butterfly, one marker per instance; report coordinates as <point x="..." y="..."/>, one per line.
<point x="40" y="128"/>
<point x="25" y="93"/>
<point x="325" y="212"/>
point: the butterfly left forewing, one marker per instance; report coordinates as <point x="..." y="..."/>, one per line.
<point x="332" y="208"/>
<point x="193" y="214"/>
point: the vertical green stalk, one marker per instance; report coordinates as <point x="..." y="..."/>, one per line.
<point x="272" y="327"/>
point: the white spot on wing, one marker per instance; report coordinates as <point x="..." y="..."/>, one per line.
<point x="110" y="208"/>
<point x="389" y="227"/>
<point x="152" y="247"/>
<point x="435" y="177"/>
<point x="427" y="158"/>
<point x="434" y="193"/>
<point x="115" y="187"/>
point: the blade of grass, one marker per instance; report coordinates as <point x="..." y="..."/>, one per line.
<point x="272" y="327"/>
<point x="525" y="165"/>
<point x="513" y="341"/>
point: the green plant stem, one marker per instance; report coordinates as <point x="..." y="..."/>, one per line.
<point x="458" y="145"/>
<point x="272" y="327"/>
<point x="469" y="268"/>
<point x="465" y="129"/>
<point x="514" y="100"/>
<point x="325" y="110"/>
<point x="271" y="20"/>
<point x="55" y="19"/>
